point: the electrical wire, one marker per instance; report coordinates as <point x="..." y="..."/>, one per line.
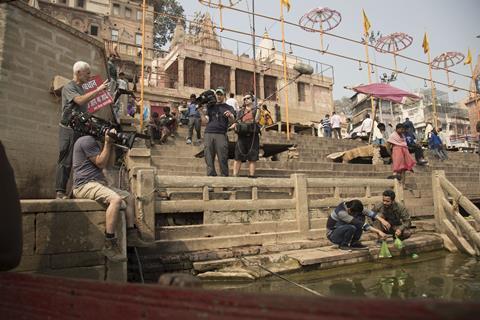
<point x="321" y="51"/>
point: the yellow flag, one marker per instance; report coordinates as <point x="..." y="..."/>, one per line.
<point x="286" y="3"/>
<point x="468" y="59"/>
<point x="425" y="45"/>
<point x="366" y="23"/>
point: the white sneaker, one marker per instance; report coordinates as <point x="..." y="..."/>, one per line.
<point x="189" y="141"/>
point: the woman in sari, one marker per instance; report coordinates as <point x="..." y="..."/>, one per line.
<point x="402" y="160"/>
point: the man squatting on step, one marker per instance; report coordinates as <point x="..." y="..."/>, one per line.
<point x="90" y="183"/>
<point x="396" y="215"/>
<point x="346" y="224"/>
<point x="74" y="98"/>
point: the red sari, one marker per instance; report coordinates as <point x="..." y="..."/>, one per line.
<point x="402" y="160"/>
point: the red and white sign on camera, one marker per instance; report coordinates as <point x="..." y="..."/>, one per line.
<point x="102" y="99"/>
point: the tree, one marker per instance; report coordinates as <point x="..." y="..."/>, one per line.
<point x="343" y="105"/>
<point x="164" y="25"/>
<point x="196" y="24"/>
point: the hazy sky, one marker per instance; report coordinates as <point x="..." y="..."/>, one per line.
<point x="451" y="26"/>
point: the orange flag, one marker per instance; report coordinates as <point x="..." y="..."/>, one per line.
<point x="366" y="23"/>
<point x="468" y="59"/>
<point x="286" y="3"/>
<point x="425" y="45"/>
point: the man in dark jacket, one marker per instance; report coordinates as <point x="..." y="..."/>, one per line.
<point x="219" y="116"/>
<point x="346" y="224"/>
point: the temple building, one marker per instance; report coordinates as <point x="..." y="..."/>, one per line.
<point x="196" y="60"/>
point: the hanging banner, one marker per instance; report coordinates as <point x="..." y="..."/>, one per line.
<point x="102" y="99"/>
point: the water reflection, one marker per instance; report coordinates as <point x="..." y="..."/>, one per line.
<point x="434" y="275"/>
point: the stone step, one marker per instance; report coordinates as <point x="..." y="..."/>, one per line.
<point x="322" y="258"/>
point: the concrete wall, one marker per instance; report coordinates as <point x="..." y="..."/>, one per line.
<point x="64" y="238"/>
<point x="33" y="49"/>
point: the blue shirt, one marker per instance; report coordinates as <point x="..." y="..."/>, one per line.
<point x="217" y="122"/>
<point x="192" y="110"/>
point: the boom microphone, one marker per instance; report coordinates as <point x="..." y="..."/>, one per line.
<point x="303" y="68"/>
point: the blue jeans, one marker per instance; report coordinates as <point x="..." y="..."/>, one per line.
<point x="345" y="234"/>
<point x="327" y="132"/>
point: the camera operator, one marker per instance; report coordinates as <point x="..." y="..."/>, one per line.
<point x="74" y="98"/>
<point x="90" y="183"/>
<point x="248" y="142"/>
<point x="219" y="115"/>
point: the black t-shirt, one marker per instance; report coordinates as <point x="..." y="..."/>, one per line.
<point x="217" y="122"/>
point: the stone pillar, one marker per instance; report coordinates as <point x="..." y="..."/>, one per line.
<point x="145" y="200"/>
<point x="232" y="81"/>
<point x="301" y="198"/>
<point x="261" y="94"/>
<point x="208" y="65"/>
<point x="181" y="67"/>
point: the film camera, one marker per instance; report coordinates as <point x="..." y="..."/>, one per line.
<point x="87" y="124"/>
<point x="207" y="98"/>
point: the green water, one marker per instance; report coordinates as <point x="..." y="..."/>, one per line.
<point x="434" y="275"/>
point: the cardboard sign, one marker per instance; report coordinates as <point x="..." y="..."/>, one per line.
<point x="102" y="99"/>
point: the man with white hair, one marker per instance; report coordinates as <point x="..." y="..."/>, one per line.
<point x="74" y="98"/>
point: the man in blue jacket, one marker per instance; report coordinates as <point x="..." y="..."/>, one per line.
<point x="346" y="224"/>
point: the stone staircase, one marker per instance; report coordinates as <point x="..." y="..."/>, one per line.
<point x="176" y="158"/>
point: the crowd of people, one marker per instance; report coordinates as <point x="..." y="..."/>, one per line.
<point x="345" y="225"/>
<point x="397" y="143"/>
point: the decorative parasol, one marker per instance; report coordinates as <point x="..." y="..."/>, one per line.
<point x="447" y="60"/>
<point x="387" y="92"/>
<point x="393" y="43"/>
<point x="219" y="5"/>
<point x="326" y="19"/>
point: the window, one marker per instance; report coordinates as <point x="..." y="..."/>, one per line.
<point x="270" y="87"/>
<point x="219" y="76"/>
<point x="139" y="14"/>
<point x="301" y="91"/>
<point x="128" y="13"/>
<point x="116" y="9"/>
<point x="81" y="3"/>
<point x="62" y="2"/>
<point x="138" y="39"/>
<point x="114" y="35"/>
<point x="93" y="30"/>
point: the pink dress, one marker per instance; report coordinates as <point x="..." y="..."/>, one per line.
<point x="402" y="160"/>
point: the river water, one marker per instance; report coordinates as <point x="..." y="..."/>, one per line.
<point x="430" y="275"/>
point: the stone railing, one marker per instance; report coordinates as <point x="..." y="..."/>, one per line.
<point x="65" y="238"/>
<point x="457" y="232"/>
<point x="290" y="216"/>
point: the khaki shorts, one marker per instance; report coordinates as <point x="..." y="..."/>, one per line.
<point x="98" y="191"/>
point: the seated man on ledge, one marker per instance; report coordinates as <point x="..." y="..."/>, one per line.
<point x="396" y="215"/>
<point x="90" y="183"/>
<point x="346" y="224"/>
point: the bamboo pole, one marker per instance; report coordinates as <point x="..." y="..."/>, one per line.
<point x="254" y="57"/>
<point x="284" y="55"/>
<point x="395" y="61"/>
<point x="474" y="89"/>
<point x="142" y="76"/>
<point x="321" y="35"/>
<point x="220" y="6"/>
<point x="448" y="76"/>
<point x="434" y="103"/>
<point x="369" y="68"/>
